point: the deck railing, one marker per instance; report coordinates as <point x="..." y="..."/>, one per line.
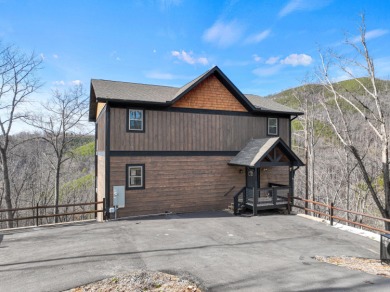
<point x="39" y="212"/>
<point x="272" y="196"/>
<point x="330" y="210"/>
<point x="240" y="200"/>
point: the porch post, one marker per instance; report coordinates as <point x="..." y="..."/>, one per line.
<point x="291" y="182"/>
<point x="255" y="189"/>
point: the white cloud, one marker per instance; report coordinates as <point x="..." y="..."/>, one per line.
<point x="223" y="34"/>
<point x="59" y="82"/>
<point x="301" y="5"/>
<point x="272" y="60"/>
<point x="372" y="34"/>
<point x="257" y="38"/>
<point x="267" y="71"/>
<point x="188" y="58"/>
<point x="55" y="56"/>
<point x="257" y="58"/>
<point x="297" y="60"/>
<point x="76" y="82"/>
<point x="154" y="51"/>
<point x="42" y="56"/>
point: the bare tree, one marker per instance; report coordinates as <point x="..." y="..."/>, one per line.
<point x="17" y="82"/>
<point x="61" y="126"/>
<point x="369" y="107"/>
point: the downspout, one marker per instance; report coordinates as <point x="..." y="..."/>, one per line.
<point x="289" y="125"/>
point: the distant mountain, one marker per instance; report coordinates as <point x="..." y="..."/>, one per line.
<point x="287" y="98"/>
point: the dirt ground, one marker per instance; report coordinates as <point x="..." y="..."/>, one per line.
<point x="141" y="281"/>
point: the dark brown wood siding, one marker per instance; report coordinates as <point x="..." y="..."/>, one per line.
<point x="179" y="131"/>
<point x="274" y="174"/>
<point x="178" y="184"/>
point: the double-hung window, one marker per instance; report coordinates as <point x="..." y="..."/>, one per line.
<point x="135" y="176"/>
<point x="136" y="120"/>
<point x="272" y="127"/>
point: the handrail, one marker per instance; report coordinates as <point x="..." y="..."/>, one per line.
<point x="36" y="216"/>
<point x="331" y="215"/>
<point x="52" y="206"/>
<point x="235" y="197"/>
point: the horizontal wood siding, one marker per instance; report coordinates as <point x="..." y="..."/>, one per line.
<point x="178" y="184"/>
<point x="275" y="174"/>
<point x="178" y="131"/>
<point x="101" y="172"/>
<point x="101" y="131"/>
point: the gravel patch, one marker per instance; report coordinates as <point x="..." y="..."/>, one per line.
<point x="140" y="281"/>
<point x="370" y="266"/>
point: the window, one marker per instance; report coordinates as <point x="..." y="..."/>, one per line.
<point x="272" y="126"/>
<point x="135" y="120"/>
<point x="135" y="176"/>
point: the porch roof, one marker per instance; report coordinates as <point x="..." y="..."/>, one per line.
<point x="257" y="149"/>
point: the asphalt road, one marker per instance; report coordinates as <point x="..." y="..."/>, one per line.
<point x="223" y="252"/>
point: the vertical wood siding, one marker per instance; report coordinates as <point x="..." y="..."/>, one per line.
<point x="178" y="131"/>
<point x="178" y="184"/>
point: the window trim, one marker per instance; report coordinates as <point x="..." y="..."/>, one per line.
<point x="128" y="187"/>
<point x="277" y="126"/>
<point x="128" y="120"/>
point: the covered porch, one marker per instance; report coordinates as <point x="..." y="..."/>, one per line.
<point x="270" y="165"/>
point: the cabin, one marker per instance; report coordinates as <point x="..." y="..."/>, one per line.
<point x="199" y="147"/>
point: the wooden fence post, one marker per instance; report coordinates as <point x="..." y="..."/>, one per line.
<point x="36" y="215"/>
<point x="331" y="213"/>
<point x="104" y="209"/>
<point x="288" y="203"/>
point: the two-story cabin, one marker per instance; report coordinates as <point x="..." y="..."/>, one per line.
<point x="191" y="148"/>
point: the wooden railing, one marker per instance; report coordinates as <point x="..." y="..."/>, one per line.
<point x="330" y="213"/>
<point x="35" y="216"/>
<point x="237" y="202"/>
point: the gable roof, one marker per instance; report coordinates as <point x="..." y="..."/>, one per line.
<point x="146" y="94"/>
<point x="257" y="149"/>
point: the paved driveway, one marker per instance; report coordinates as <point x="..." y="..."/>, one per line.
<point x="225" y="253"/>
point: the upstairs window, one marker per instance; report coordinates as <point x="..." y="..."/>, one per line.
<point x="272" y="129"/>
<point x="135" y="176"/>
<point x="136" y="120"/>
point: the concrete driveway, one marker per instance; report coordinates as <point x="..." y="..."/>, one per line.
<point x="223" y="252"/>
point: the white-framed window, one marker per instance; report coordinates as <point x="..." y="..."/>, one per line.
<point x="272" y="127"/>
<point x="135" y="176"/>
<point x="135" y="120"/>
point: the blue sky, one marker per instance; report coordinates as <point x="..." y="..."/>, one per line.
<point x="262" y="46"/>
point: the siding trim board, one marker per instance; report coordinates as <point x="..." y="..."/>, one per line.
<point x="172" y="153"/>
<point x="166" y="107"/>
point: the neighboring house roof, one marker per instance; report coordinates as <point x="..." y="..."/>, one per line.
<point x="257" y="149"/>
<point x="136" y="93"/>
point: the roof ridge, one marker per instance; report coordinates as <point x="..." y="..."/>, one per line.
<point x="127" y="82"/>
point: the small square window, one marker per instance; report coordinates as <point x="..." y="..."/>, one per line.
<point x="135" y="120"/>
<point x="135" y="176"/>
<point x="272" y="127"/>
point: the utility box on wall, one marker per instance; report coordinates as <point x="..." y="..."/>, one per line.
<point x="119" y="196"/>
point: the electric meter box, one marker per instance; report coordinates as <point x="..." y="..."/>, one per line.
<point x="119" y="196"/>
